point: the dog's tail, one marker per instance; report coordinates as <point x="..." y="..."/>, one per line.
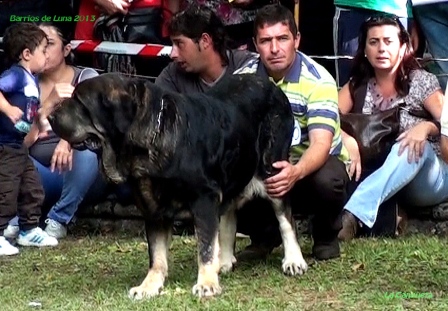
<point x="276" y="132"/>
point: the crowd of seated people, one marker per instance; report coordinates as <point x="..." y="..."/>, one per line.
<point x="325" y="161"/>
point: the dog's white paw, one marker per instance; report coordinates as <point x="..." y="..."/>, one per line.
<point x="145" y="291"/>
<point x="294" y="266"/>
<point x="207" y="289"/>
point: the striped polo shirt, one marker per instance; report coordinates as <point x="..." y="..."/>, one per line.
<point x="313" y="96"/>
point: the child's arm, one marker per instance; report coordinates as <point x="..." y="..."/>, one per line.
<point x="10" y="81"/>
<point x="14" y="113"/>
<point x="32" y="135"/>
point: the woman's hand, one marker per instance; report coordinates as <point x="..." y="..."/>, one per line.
<point x="111" y="7"/>
<point x="415" y="140"/>
<point x="62" y="157"/>
<point x="355" y="168"/>
<point x="57" y="94"/>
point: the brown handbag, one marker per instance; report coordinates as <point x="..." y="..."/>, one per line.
<point x="374" y="133"/>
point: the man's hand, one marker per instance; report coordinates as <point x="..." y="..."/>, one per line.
<point x="14" y="113"/>
<point x="111" y="7"/>
<point x="279" y="184"/>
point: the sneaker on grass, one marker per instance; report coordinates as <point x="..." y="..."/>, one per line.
<point x="6" y="249"/>
<point x="36" y="237"/>
<point x="11" y="232"/>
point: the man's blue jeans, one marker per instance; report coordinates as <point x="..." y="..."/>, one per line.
<point x="433" y="21"/>
<point x="423" y="183"/>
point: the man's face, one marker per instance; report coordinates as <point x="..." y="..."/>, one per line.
<point x="186" y="53"/>
<point x="277" y="48"/>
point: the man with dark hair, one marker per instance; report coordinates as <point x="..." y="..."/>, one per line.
<point x="316" y="179"/>
<point x="199" y="53"/>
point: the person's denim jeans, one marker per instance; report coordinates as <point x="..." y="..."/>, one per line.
<point x="433" y="21"/>
<point x="64" y="192"/>
<point x="76" y="184"/>
<point x="423" y="183"/>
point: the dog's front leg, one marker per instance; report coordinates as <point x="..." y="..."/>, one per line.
<point x="293" y="263"/>
<point x="206" y="219"/>
<point x="159" y="236"/>
<point x="227" y="232"/>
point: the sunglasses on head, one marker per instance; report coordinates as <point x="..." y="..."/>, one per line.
<point x="381" y="18"/>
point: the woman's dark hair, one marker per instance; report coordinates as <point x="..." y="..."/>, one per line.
<point x="362" y="70"/>
<point x="196" y="20"/>
<point x="65" y="33"/>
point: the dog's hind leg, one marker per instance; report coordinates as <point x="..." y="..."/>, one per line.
<point x="159" y="237"/>
<point x="227" y="232"/>
<point x="293" y="263"/>
<point x="206" y="219"/>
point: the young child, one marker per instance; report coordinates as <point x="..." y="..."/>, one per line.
<point x="20" y="189"/>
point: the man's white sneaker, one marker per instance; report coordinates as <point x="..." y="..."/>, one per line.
<point x="36" y="237"/>
<point x="6" y="249"/>
<point x="11" y="232"/>
<point x="55" y="229"/>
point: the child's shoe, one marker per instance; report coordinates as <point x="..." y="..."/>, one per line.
<point x="36" y="237"/>
<point x="6" y="249"/>
<point x="11" y="232"/>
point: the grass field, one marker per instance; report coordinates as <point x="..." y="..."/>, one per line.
<point x="95" y="273"/>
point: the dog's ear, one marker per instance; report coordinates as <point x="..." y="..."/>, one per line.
<point x="102" y="98"/>
<point x="88" y="98"/>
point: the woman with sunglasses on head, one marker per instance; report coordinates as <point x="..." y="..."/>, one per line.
<point x="385" y="66"/>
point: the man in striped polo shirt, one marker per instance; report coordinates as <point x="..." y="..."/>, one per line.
<point x="316" y="175"/>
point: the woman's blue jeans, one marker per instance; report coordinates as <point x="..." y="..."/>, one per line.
<point x="423" y="183"/>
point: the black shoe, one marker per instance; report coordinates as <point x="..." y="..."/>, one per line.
<point x="326" y="250"/>
<point x="254" y="252"/>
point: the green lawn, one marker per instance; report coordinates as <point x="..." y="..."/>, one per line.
<point x="95" y="273"/>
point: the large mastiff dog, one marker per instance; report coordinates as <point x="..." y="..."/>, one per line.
<point x="205" y="153"/>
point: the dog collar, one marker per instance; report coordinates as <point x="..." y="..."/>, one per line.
<point x="159" y="121"/>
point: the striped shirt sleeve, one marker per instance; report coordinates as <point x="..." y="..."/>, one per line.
<point x="323" y="107"/>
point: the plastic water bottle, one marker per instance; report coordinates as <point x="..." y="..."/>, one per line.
<point x="23" y="126"/>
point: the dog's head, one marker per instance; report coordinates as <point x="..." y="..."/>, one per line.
<point x="97" y="117"/>
<point x="119" y="118"/>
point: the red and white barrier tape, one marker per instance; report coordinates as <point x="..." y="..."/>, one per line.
<point x="147" y="50"/>
<point x="156" y="50"/>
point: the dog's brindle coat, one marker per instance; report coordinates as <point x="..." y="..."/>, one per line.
<point x="207" y="153"/>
